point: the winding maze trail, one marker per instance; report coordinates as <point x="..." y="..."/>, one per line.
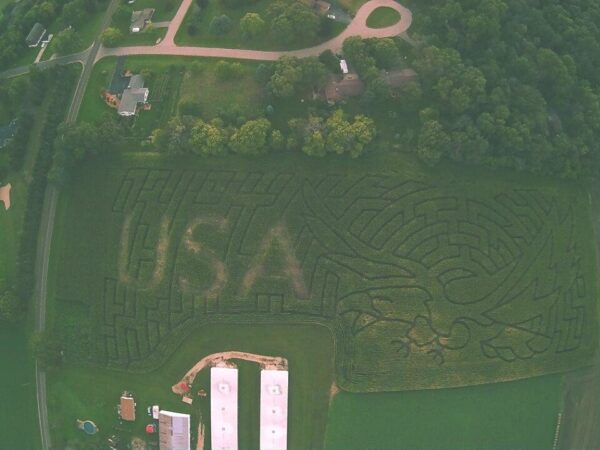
<point x="447" y="285"/>
<point x="358" y="27"/>
<point x="267" y="362"/>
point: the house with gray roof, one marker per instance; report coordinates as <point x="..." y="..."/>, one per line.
<point x="134" y="95"/>
<point x="139" y="19"/>
<point x="36" y="34"/>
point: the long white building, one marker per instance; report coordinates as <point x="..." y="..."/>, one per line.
<point x="173" y="431"/>
<point x="273" y="409"/>
<point x="224" y="408"/>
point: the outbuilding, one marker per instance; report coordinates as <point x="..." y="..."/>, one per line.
<point x="36" y="34"/>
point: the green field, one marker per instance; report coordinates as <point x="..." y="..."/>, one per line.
<point x="446" y="279"/>
<point x="234" y="39"/>
<point x="521" y="414"/>
<point x="88" y="393"/>
<point x="383" y="17"/>
<point x="18" y="414"/>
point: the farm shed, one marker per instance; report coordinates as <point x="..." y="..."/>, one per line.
<point x="273" y="409"/>
<point x="224" y="408"/>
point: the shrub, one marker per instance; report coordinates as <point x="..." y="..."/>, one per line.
<point x="220" y="25"/>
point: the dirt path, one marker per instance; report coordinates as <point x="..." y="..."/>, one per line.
<point x="5" y="196"/>
<point x="358" y="27"/>
<point x="268" y="362"/>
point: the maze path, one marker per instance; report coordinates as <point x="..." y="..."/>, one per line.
<point x="421" y="282"/>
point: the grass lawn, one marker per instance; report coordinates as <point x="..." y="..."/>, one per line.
<point x="18" y="413"/>
<point x="149" y="36"/>
<point x="233" y="39"/>
<point x="521" y="414"/>
<point x="174" y="80"/>
<point x="383" y="17"/>
<point x="244" y="94"/>
<point x="91" y="393"/>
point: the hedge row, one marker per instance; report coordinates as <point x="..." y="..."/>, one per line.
<point x="59" y="83"/>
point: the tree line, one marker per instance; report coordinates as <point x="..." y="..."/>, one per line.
<point x="508" y="83"/>
<point x="57" y="83"/>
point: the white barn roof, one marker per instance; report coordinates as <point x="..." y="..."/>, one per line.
<point x="273" y="409"/>
<point x="223" y="408"/>
<point x="173" y="431"/>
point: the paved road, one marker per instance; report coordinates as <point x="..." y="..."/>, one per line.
<point x="358" y="27"/>
<point x="86" y="58"/>
<point x="68" y="59"/>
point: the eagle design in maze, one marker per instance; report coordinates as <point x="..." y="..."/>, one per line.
<point x="424" y="285"/>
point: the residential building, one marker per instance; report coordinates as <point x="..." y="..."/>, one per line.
<point x="127" y="407"/>
<point x="134" y="95"/>
<point x="36" y="34"/>
<point x="338" y="90"/>
<point x="139" y="19"/>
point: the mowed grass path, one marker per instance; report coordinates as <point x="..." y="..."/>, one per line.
<point x="77" y="392"/>
<point x="383" y="17"/>
<point x="515" y="415"/>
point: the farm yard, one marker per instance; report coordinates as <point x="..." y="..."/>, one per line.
<point x="72" y="395"/>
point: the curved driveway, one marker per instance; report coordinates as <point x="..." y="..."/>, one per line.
<point x="358" y="27"/>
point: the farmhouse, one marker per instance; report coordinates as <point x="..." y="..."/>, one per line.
<point x="35" y="35"/>
<point x="223" y="408"/>
<point x="339" y="90"/>
<point x="273" y="409"/>
<point x="127" y="407"/>
<point x="139" y="19"/>
<point x="173" y="431"/>
<point x="134" y="95"/>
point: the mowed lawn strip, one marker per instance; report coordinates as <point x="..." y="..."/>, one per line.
<point x="76" y="392"/>
<point x="521" y="414"/>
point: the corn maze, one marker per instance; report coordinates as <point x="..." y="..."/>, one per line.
<point x="424" y="283"/>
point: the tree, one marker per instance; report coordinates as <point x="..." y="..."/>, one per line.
<point x="111" y="37"/>
<point x="66" y="41"/>
<point x="48" y="349"/>
<point x="208" y="139"/>
<point x="351" y="138"/>
<point x="433" y="141"/>
<point x="286" y="77"/>
<point x="314" y="72"/>
<point x="386" y="52"/>
<point x="10" y="310"/>
<point x="330" y="61"/>
<point x="263" y="73"/>
<point x="251" y="25"/>
<point x="190" y="108"/>
<point x="220" y="25"/>
<point x="228" y="70"/>
<point x="74" y="12"/>
<point x="251" y="138"/>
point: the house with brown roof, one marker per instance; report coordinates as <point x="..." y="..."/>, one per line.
<point x="338" y="90"/>
<point x="127" y="407"/>
<point x="399" y="77"/>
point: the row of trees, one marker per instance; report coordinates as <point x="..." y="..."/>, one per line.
<point x="287" y="21"/>
<point x="315" y="136"/>
<point x="57" y="83"/>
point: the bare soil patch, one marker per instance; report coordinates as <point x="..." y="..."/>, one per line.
<point x="5" y="196"/>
